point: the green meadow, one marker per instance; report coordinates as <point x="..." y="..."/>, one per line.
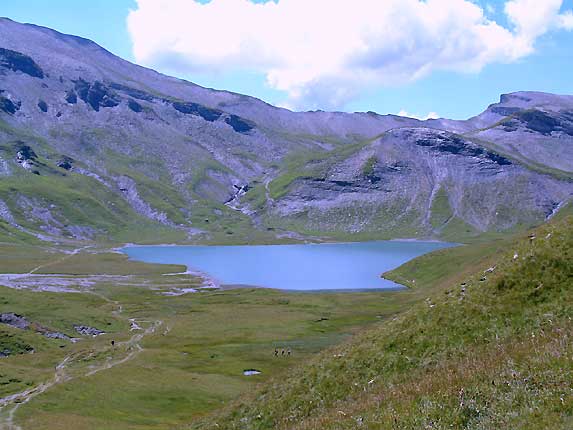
<point x="191" y="360"/>
<point x="182" y="363"/>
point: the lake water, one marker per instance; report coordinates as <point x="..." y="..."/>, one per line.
<point x="305" y="267"/>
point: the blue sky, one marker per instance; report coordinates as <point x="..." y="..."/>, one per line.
<point x="449" y="92"/>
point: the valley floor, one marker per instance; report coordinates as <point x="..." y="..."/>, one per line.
<point x="175" y="357"/>
<point x="178" y="358"/>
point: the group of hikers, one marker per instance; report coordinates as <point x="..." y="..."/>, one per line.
<point x="283" y="352"/>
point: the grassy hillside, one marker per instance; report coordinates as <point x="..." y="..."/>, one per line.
<point x="491" y="352"/>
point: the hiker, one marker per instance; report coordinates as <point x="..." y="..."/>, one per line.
<point x="113" y="343"/>
<point x="288" y="352"/>
<point x="276" y="352"/>
<point x="283" y="352"/>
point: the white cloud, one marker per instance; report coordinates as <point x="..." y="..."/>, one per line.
<point x="324" y="52"/>
<point x="533" y="18"/>
<point x="565" y="20"/>
<point x="430" y="115"/>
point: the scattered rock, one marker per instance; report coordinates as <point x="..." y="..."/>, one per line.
<point x="65" y="163"/>
<point x="43" y="106"/>
<point x="133" y="325"/>
<point x="25" y="156"/>
<point x="57" y="335"/>
<point x="14" y="320"/>
<point x="8" y="106"/>
<point x="85" y="330"/>
<point x="20" y="322"/>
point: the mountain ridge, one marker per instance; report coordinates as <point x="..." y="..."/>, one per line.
<point x="204" y="164"/>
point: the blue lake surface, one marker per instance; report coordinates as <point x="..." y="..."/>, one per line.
<point x="304" y="267"/>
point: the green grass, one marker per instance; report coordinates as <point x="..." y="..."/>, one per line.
<point x="309" y="164"/>
<point x="191" y="366"/>
<point x="368" y="167"/>
<point x="60" y="311"/>
<point x="448" y="266"/>
<point x="104" y="263"/>
<point x="12" y="235"/>
<point x="21" y="258"/>
<point x="420" y="342"/>
<point x="441" y="211"/>
<point x="197" y="365"/>
<point x="56" y="312"/>
<point x="69" y="200"/>
<point x="490" y="354"/>
<point x="516" y="157"/>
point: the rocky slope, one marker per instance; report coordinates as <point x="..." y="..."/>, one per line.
<point x="419" y="181"/>
<point x="93" y="146"/>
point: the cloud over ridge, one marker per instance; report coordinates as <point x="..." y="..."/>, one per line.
<point x="324" y="52"/>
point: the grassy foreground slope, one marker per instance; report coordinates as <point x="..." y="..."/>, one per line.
<point x="492" y="352"/>
<point x="186" y="361"/>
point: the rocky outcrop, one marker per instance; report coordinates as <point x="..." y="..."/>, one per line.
<point x="96" y="94"/>
<point x="453" y="144"/>
<point x="198" y="110"/>
<point x="66" y="163"/>
<point x="18" y="62"/>
<point x="85" y="330"/>
<point x="238" y="124"/>
<point x="26" y="157"/>
<point x="8" y="106"/>
<point x="71" y="97"/>
<point x="21" y="323"/>
<point x="43" y="106"/>
<point x="134" y="106"/>
<point x="541" y="122"/>
<point x="14" y="320"/>
<point x="132" y="92"/>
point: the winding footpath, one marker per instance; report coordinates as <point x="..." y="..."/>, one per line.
<point x="60" y="260"/>
<point x="9" y="405"/>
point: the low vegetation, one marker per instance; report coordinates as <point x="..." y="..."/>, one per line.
<point x="192" y="358"/>
<point x="491" y="352"/>
<point x="309" y="164"/>
<point x="478" y="340"/>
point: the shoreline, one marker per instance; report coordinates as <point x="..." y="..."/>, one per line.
<point x="397" y="240"/>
